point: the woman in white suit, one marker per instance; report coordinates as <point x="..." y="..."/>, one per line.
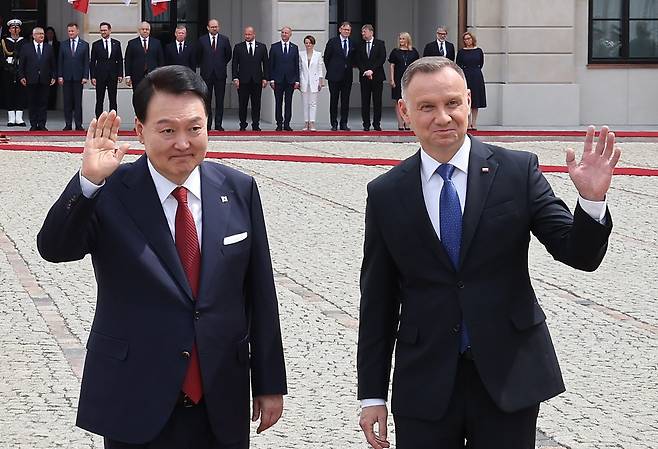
<point x="311" y="80"/>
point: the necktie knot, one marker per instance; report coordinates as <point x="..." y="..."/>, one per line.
<point x="446" y="171"/>
<point x="180" y="193"/>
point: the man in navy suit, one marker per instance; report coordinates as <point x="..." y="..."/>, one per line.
<point x="36" y="70"/>
<point x="250" y="75"/>
<point x="214" y="53"/>
<point x="180" y="52"/>
<point x="440" y="46"/>
<point x="73" y="73"/>
<point x="186" y="311"/>
<point x="106" y="67"/>
<point x="284" y="77"/>
<point x="143" y="55"/>
<point x="445" y="279"/>
<point x="339" y="60"/>
<point x="370" y="57"/>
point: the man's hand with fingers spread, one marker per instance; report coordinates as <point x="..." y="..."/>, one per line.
<point x="593" y="174"/>
<point x="102" y="154"/>
<point x="369" y="416"/>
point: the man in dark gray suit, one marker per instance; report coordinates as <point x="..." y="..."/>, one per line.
<point x="73" y="73"/>
<point x="214" y="53"/>
<point x="36" y="70"/>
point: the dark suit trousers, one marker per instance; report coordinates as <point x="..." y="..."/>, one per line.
<point x="37" y="103"/>
<point x="249" y="91"/>
<point x="186" y="428"/>
<point x="219" y="86"/>
<point x="282" y="90"/>
<point x="339" y="89"/>
<point x="371" y="89"/>
<point x="109" y="83"/>
<point x="135" y="80"/>
<point x="73" y="102"/>
<point x="471" y="416"/>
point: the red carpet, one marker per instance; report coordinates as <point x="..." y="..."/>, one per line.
<point x="355" y="133"/>
<point x="633" y="171"/>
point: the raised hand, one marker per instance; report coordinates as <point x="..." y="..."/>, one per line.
<point x="593" y="174"/>
<point x="102" y="155"/>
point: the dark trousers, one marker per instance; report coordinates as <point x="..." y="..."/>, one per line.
<point x="187" y="428"/>
<point x="110" y="84"/>
<point x="472" y="421"/>
<point x="37" y="104"/>
<point x="339" y="90"/>
<point x="250" y="91"/>
<point x="283" y="91"/>
<point x="72" y="102"/>
<point x="52" y="97"/>
<point x="135" y="80"/>
<point x="371" y="89"/>
<point x="219" y="86"/>
<point x="14" y="92"/>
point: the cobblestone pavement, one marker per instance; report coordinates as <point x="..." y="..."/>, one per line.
<point x="604" y="324"/>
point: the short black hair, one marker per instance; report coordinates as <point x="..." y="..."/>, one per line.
<point x="172" y="79"/>
<point x="106" y="24"/>
<point x="72" y="24"/>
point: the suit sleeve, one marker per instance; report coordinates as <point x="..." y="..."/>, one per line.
<point x="160" y="56"/>
<point x="268" y="373"/>
<point x="235" y="64"/>
<point x="297" y="66"/>
<point x="227" y="50"/>
<point x="328" y="53"/>
<point x="379" y="310"/>
<point x="271" y="64"/>
<point x="426" y="50"/>
<point x="266" y="70"/>
<point x="381" y="57"/>
<point x="60" y="64"/>
<point x="119" y="59"/>
<point x="128" y="60"/>
<point x="85" y="62"/>
<point x="92" y="61"/>
<point x="578" y="241"/>
<point x="69" y="228"/>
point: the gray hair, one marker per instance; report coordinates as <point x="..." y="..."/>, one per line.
<point x="441" y="28"/>
<point x="428" y="64"/>
<point x="36" y="30"/>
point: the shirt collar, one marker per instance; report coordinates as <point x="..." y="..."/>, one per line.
<point x="428" y="164"/>
<point x="164" y="187"/>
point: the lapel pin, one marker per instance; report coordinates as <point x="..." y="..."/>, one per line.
<point x="485" y="169"/>
<point x="224" y="199"/>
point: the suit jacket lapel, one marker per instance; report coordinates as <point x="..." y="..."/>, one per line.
<point x="411" y="196"/>
<point x="477" y="189"/>
<point x="143" y="205"/>
<point x="216" y="203"/>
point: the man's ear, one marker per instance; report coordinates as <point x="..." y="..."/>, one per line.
<point x="404" y="110"/>
<point x="468" y="97"/>
<point x="139" y="130"/>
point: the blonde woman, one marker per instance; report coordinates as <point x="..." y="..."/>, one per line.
<point x="311" y="80"/>
<point x="471" y="59"/>
<point x="400" y="58"/>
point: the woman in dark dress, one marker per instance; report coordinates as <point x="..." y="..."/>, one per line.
<point x="400" y="58"/>
<point x="51" y="39"/>
<point x="471" y="59"/>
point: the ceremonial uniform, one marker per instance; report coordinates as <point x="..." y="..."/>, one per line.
<point x="13" y="90"/>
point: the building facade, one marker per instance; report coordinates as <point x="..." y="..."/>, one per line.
<point x="548" y="63"/>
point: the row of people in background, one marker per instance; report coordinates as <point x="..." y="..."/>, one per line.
<point x="284" y="68"/>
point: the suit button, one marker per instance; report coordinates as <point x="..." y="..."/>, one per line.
<point x="460" y="284"/>
<point x="197" y="314"/>
<point x="457" y="328"/>
<point x="186" y="354"/>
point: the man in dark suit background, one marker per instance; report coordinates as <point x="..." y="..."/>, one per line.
<point x="106" y="68"/>
<point x="143" y="55"/>
<point x="214" y="52"/>
<point x="370" y="58"/>
<point x="250" y="76"/>
<point x="445" y="275"/>
<point x="180" y="52"/>
<point x="73" y="73"/>
<point x="339" y="60"/>
<point x="36" y="70"/>
<point x="440" y="46"/>
<point x="284" y="77"/>
<point x="186" y="310"/>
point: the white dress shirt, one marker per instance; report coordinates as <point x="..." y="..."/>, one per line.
<point x="164" y="187"/>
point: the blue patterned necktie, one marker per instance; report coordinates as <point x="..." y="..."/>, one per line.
<point x="450" y="226"/>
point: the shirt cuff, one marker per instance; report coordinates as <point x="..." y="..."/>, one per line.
<point x="595" y="209"/>
<point x="89" y="189"/>
<point x="372" y="402"/>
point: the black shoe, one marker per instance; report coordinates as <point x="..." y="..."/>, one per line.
<point x="345" y="128"/>
<point x="377" y="128"/>
<point x="21" y="124"/>
<point x="243" y="128"/>
<point x="11" y="124"/>
<point x="256" y="128"/>
<point x="219" y="128"/>
<point x="287" y="128"/>
<point x="43" y="128"/>
<point x="34" y="128"/>
<point x="67" y="128"/>
<point x="334" y="128"/>
<point x="366" y="128"/>
<point x="279" y="128"/>
<point x="79" y="128"/>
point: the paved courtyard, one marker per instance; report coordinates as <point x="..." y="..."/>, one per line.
<point x="604" y="324"/>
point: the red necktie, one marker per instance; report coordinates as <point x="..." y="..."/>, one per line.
<point x="187" y="245"/>
<point x="214" y="45"/>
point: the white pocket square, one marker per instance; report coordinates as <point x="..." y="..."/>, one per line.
<point x="235" y="238"/>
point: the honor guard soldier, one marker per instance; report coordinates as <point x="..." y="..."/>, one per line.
<point x="14" y="91"/>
